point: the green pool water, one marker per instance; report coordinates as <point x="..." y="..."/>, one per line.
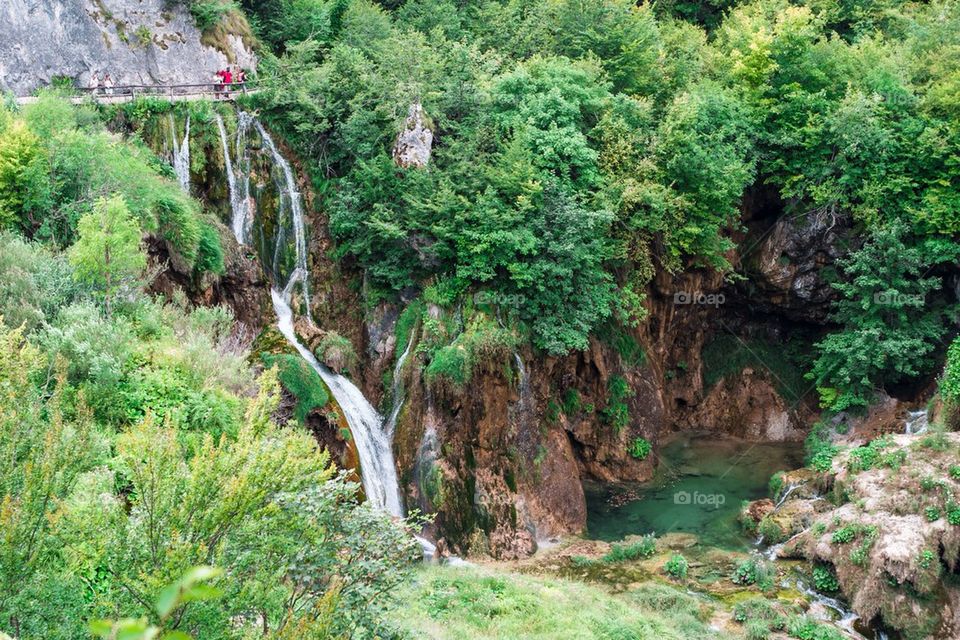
<point x="698" y="488"/>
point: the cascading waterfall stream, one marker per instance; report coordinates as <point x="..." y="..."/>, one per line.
<point x="289" y="199"/>
<point x="181" y="153"/>
<point x="373" y="441"/>
<point x="398" y="395"/>
<point x="239" y="190"/>
<point x="379" y="472"/>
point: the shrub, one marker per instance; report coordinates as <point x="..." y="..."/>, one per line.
<point x="819" y="450"/>
<point x="844" y="534"/>
<point x="775" y="485"/>
<point x="643" y="548"/>
<point x="209" y="251"/>
<point x="448" y="367"/>
<point x="617" y="413"/>
<point x="825" y="580"/>
<point x="639" y="448"/>
<point x="755" y="570"/>
<point x="676" y="566"/>
<point x="337" y="352"/>
<point x="771" y="531"/>
<point x="571" y="402"/>
<point x="932" y="514"/>
<point x="301" y="381"/>
<point x="804" y="628"/>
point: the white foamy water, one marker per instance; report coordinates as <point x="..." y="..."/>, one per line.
<point x="378" y="470"/>
<point x="181" y="153"/>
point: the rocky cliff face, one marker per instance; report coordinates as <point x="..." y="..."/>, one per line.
<point x="135" y="41"/>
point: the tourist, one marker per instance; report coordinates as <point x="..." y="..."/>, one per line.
<point x="96" y="84"/>
<point x="227" y="80"/>
<point x="108" y="84"/>
<point x="218" y="82"/>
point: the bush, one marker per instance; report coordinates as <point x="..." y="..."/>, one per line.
<point x="448" y="368"/>
<point x="819" y="450"/>
<point x="825" y="580"/>
<point x="755" y="570"/>
<point x="639" y="448"/>
<point x="771" y="531"/>
<point x="643" y="548"/>
<point x="676" y="566"/>
<point x="337" y="352"/>
<point x="889" y="328"/>
<point x="301" y="381"/>
<point x="209" y="13"/>
<point x="844" y="534"/>
<point x="617" y="413"/>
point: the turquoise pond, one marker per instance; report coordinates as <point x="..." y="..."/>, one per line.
<point x="698" y="488"/>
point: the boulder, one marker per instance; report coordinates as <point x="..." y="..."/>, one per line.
<point x="415" y="141"/>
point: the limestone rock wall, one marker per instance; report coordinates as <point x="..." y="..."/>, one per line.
<point x="135" y="41"/>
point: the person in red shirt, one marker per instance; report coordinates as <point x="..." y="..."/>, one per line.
<point x="227" y="79"/>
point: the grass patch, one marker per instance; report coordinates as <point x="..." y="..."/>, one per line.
<point x="452" y="603"/>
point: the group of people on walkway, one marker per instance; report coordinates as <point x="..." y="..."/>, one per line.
<point x="225" y="80"/>
<point x="228" y="80"/>
<point x="102" y="84"/>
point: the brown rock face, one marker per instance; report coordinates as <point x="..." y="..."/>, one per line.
<point x="747" y="405"/>
<point x="243" y="287"/>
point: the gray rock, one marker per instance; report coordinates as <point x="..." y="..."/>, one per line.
<point x="415" y="141"/>
<point x="151" y="42"/>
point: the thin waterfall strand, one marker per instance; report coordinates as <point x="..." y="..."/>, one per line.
<point x="398" y="395"/>
<point x="181" y="153"/>
<point x="290" y="196"/>
<point x="239" y="205"/>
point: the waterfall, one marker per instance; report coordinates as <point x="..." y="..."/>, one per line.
<point x="240" y="214"/>
<point x="289" y="201"/>
<point x="847" y="619"/>
<point x="379" y="473"/>
<point x="916" y="423"/>
<point x="373" y="441"/>
<point x="398" y="389"/>
<point x="181" y="153"/>
<point x="526" y="406"/>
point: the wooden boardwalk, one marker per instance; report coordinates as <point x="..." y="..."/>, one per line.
<point x="172" y="93"/>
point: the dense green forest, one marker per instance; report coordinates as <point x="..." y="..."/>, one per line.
<point x="581" y="147"/>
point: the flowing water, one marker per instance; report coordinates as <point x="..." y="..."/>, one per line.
<point x="398" y="395"/>
<point x="698" y="488"/>
<point x="241" y="214"/>
<point x="379" y="473"/>
<point x="181" y="153"/>
<point x="373" y="441"/>
<point x="291" y="204"/>
<point x="916" y="423"/>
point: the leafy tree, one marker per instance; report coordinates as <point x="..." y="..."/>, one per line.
<point x="889" y="323"/>
<point x="23" y="183"/>
<point x="42" y="454"/>
<point x="108" y="254"/>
